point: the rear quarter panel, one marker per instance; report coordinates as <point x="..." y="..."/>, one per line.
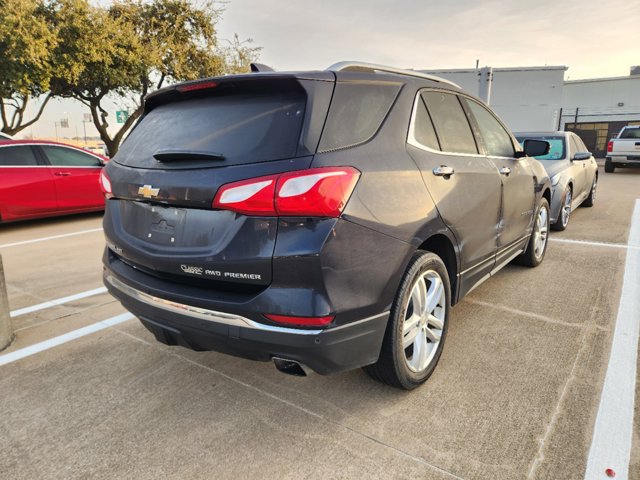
<point x="390" y="210"/>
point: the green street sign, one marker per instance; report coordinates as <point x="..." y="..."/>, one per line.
<point x="121" y="116"/>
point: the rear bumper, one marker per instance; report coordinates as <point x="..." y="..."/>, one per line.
<point x="624" y="161"/>
<point x="176" y="321"/>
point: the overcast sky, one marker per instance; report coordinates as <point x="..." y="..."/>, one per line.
<point x="592" y="38"/>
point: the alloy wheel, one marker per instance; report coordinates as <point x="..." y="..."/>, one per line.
<point x="424" y="319"/>
<point x="566" y="208"/>
<point x="541" y="231"/>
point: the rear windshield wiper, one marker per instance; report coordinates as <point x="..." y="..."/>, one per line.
<point x="178" y="155"/>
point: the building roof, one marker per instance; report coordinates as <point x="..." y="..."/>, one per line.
<point x="498" y="69"/>
<point x="604" y="79"/>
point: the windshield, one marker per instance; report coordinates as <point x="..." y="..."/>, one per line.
<point x="630" y="133"/>
<point x="556" y="150"/>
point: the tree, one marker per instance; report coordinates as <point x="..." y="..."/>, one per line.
<point x="26" y="67"/>
<point x="134" y="47"/>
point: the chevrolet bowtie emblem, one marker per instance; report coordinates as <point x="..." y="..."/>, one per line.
<point x="147" y="191"/>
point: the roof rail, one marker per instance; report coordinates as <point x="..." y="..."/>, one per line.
<point x="372" y="67"/>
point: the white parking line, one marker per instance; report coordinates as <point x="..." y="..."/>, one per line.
<point x="57" y="301"/>
<point x="36" y="240"/>
<point x="594" y="244"/>
<point x="612" y="434"/>
<point x="59" y="340"/>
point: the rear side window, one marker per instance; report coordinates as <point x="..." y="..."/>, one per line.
<point x="630" y="133"/>
<point x="423" y="130"/>
<point x="68" y="157"/>
<point x="242" y="128"/>
<point x="356" y="113"/>
<point x="450" y="122"/>
<point x="497" y="140"/>
<point x="20" y="156"/>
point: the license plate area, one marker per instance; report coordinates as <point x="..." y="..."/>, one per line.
<point x="156" y="224"/>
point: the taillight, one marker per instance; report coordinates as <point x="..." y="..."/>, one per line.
<point x="105" y="185"/>
<point x="301" y="321"/>
<point x="318" y="192"/>
<point x="250" y="197"/>
<point x="610" y="146"/>
<point x="321" y="192"/>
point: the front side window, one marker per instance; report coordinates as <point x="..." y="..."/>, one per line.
<point x="68" y="157"/>
<point x="582" y="147"/>
<point x="497" y="140"/>
<point x="575" y="146"/>
<point x="17" y="156"/>
<point x="450" y="122"/>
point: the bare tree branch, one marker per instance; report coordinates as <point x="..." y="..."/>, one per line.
<point x="16" y="127"/>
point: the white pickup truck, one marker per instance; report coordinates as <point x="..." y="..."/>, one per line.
<point x="624" y="150"/>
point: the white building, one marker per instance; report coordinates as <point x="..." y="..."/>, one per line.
<point x="598" y="108"/>
<point x="527" y="98"/>
<point x="538" y="98"/>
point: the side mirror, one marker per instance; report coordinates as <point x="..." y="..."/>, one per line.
<point x="536" y="148"/>
<point x="582" y="156"/>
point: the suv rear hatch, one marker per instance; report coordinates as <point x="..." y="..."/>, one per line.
<point x="192" y="139"/>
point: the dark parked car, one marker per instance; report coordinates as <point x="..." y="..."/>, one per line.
<point x="44" y="179"/>
<point x="327" y="220"/>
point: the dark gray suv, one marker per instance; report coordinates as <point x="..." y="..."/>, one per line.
<point x="325" y="220"/>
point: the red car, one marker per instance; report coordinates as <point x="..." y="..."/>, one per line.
<point x="43" y="179"/>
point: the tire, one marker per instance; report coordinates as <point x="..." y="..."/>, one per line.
<point x="565" y="211"/>
<point x="530" y="258"/>
<point x="591" y="199"/>
<point x="608" y="166"/>
<point x="399" y="365"/>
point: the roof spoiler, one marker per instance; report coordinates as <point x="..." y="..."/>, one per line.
<point x="260" y="67"/>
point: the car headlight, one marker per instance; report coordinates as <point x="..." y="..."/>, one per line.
<point x="555" y="179"/>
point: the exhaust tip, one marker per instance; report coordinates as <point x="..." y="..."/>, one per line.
<point x="290" y="367"/>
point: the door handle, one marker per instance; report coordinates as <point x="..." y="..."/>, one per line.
<point x="443" y="171"/>
<point x="505" y="171"/>
<point x="62" y="174"/>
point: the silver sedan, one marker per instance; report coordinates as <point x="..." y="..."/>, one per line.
<point x="573" y="172"/>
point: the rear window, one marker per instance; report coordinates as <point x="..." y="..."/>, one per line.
<point x="630" y="133"/>
<point x="357" y="112"/>
<point x="242" y="128"/>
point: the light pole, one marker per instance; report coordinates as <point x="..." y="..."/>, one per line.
<point x="85" y="120"/>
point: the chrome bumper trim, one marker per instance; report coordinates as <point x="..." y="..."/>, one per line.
<point x="201" y="313"/>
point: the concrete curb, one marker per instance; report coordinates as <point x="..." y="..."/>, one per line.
<point x="6" y="331"/>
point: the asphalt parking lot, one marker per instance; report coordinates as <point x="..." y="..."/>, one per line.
<point x="515" y="395"/>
